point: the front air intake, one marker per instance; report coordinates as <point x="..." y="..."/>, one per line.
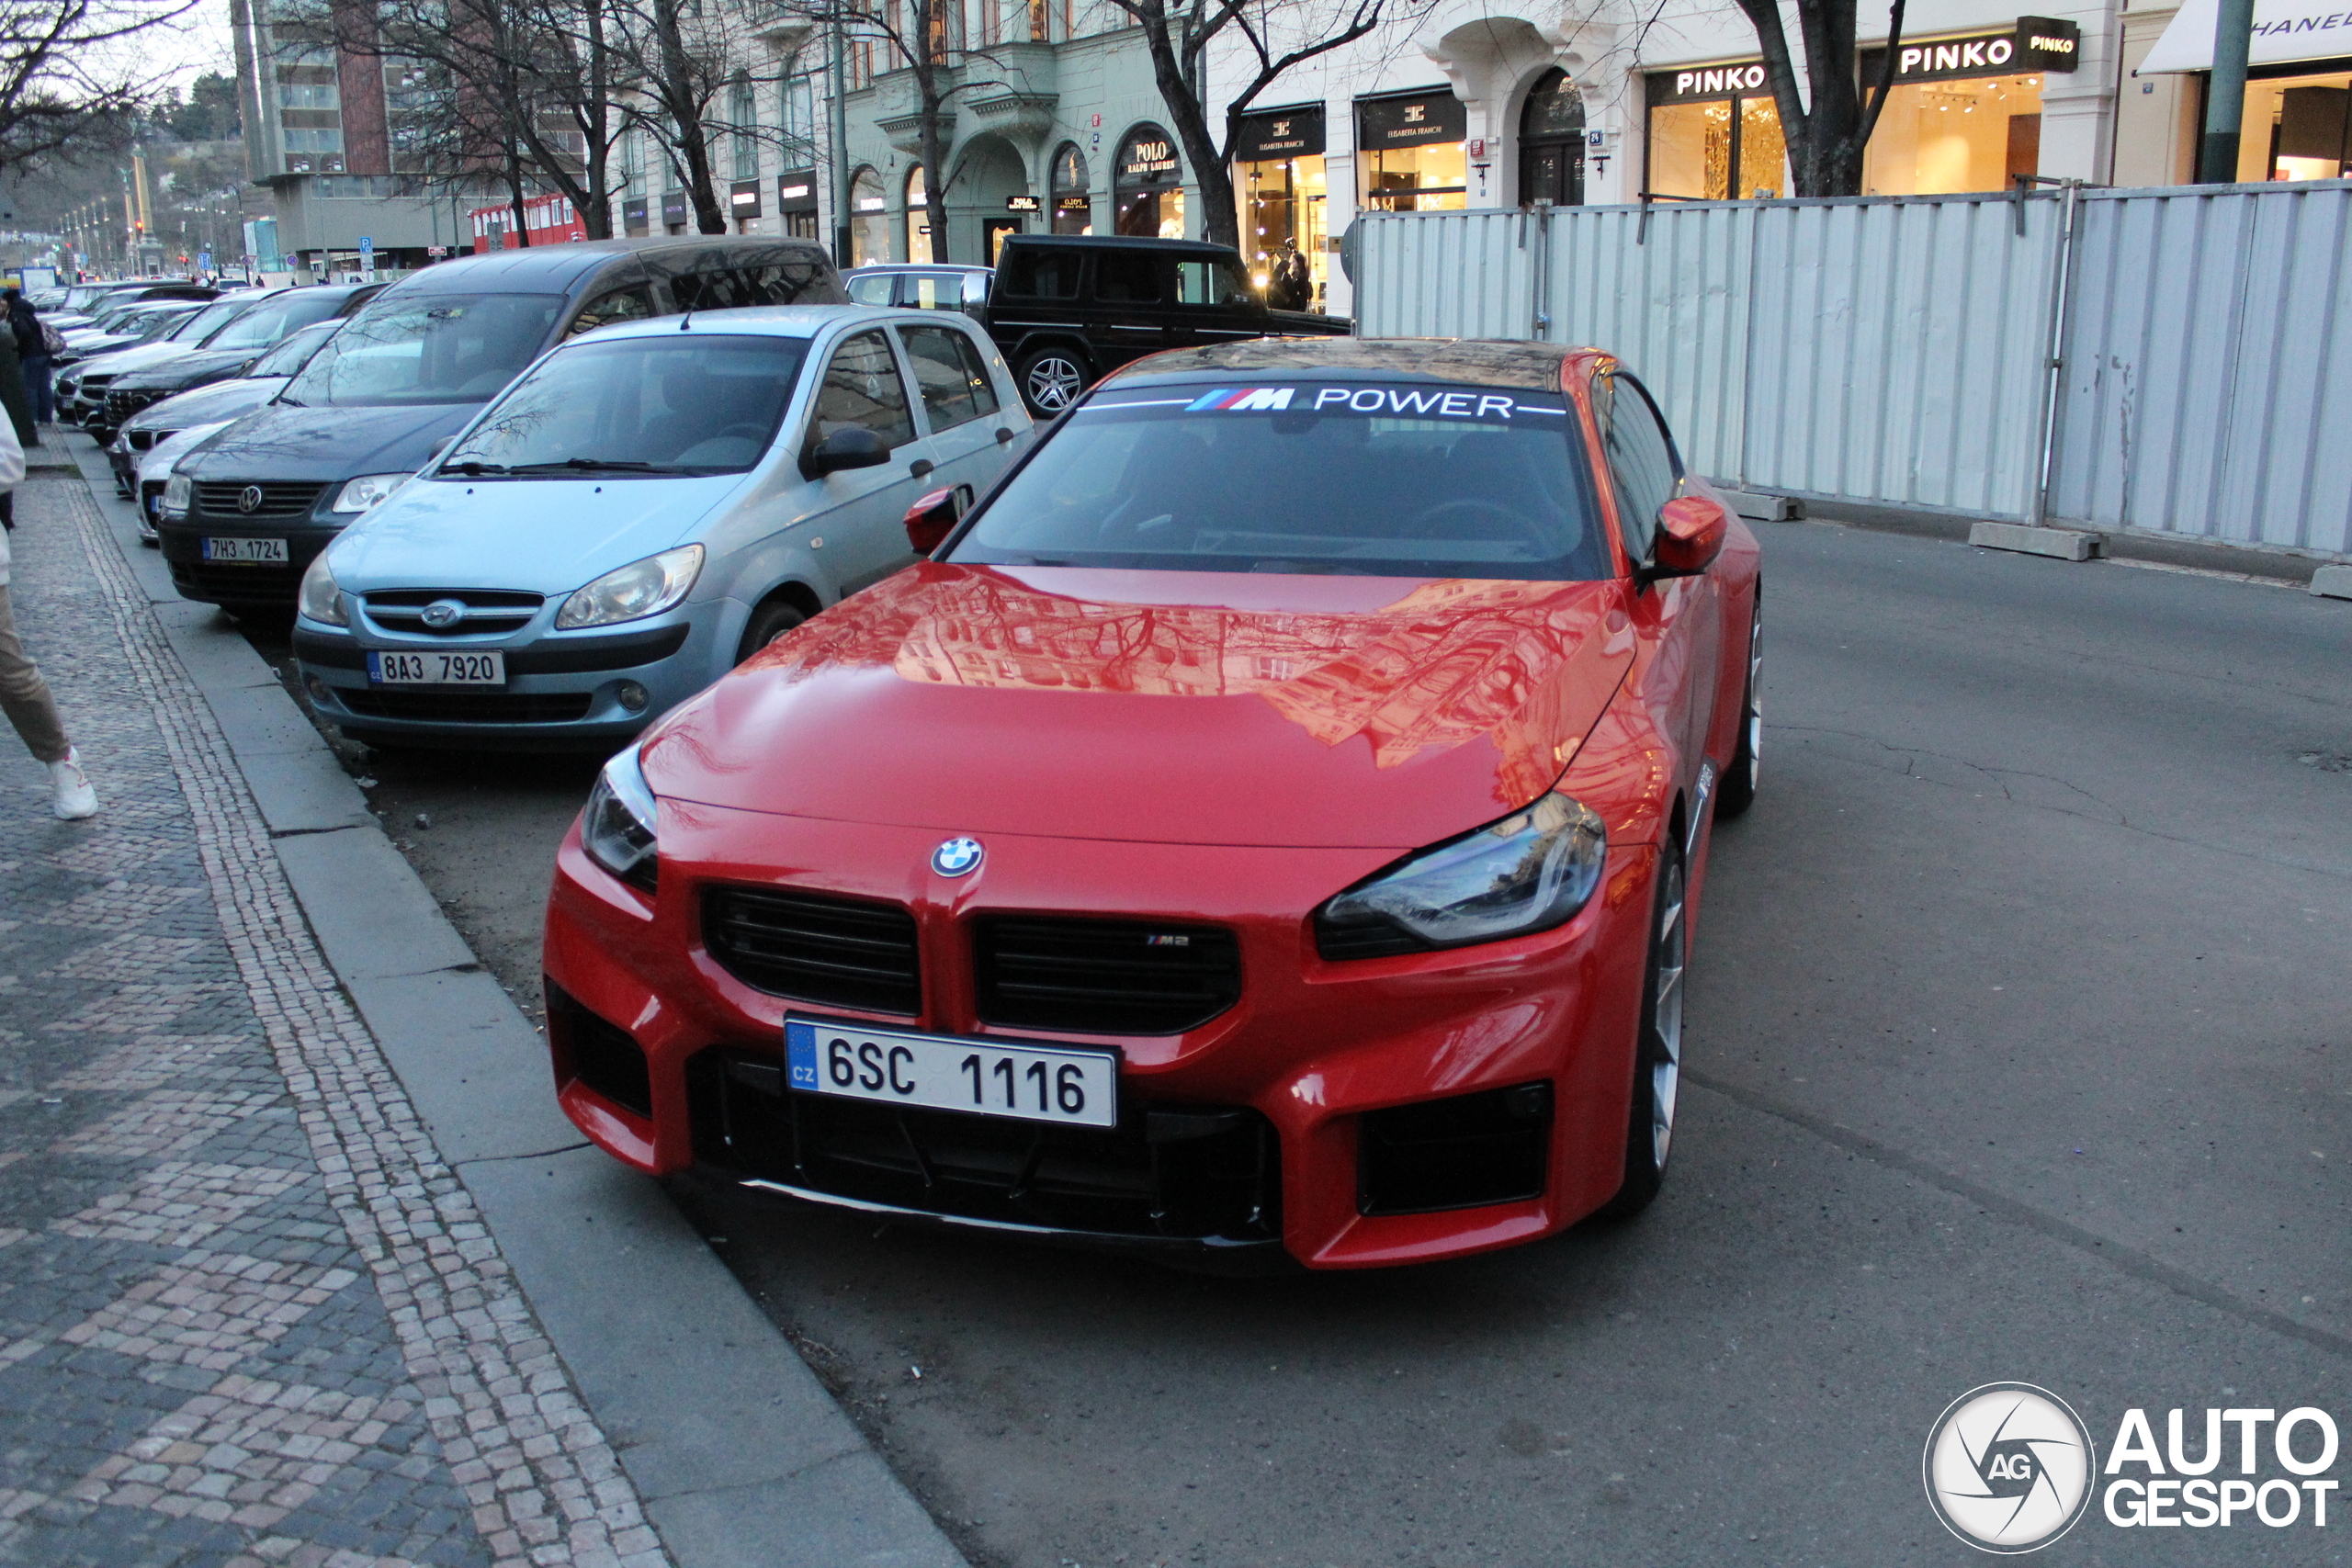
<point x="1461" y="1153"/>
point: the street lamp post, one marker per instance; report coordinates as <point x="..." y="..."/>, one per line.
<point x="2217" y="163"/>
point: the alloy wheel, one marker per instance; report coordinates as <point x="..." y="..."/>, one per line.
<point x="1666" y="1017"/>
<point x="1053" y="382"/>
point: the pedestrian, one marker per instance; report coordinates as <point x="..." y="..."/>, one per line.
<point x="24" y="696"/>
<point x="33" y="355"/>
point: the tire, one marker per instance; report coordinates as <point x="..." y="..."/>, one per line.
<point x="1738" y="791"/>
<point x="1657" y="1051"/>
<point x="1051" y="380"/>
<point x="769" y="621"/>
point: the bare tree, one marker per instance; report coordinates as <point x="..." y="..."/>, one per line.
<point x="1826" y="136"/>
<point x="1275" y="34"/>
<point x="77" y="72"/>
<point x="677" y="57"/>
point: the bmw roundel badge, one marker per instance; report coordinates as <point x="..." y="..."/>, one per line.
<point x="955" y="857"/>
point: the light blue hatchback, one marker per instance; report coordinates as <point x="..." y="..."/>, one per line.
<point x="644" y="508"/>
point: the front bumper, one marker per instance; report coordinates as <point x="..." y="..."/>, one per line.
<point x="658" y="1047"/>
<point x="563" y="689"/>
<point x="249" y="587"/>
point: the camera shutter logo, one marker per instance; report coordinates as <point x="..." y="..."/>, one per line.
<point x="2009" y="1468"/>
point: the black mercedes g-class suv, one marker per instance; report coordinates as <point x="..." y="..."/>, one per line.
<point x="1068" y="310"/>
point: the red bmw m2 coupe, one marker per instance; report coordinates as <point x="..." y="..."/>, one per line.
<point x="1269" y="824"/>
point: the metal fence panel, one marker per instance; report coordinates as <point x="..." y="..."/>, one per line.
<point x="2208" y="374"/>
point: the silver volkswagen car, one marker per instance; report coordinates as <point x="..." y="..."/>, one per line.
<point x="645" y="507"/>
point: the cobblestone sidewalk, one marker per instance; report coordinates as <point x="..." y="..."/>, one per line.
<point x="247" y="1315"/>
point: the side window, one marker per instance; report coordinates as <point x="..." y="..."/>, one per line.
<point x="632" y="304"/>
<point x="719" y="289"/>
<point x="948" y="373"/>
<point x="1125" y="277"/>
<point x="1210" y="282"/>
<point x="872" y="289"/>
<point x="1040" y="274"/>
<point x="1641" y="461"/>
<point x="862" y="387"/>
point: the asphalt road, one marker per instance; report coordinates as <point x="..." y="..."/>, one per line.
<point x="2019" y="1026"/>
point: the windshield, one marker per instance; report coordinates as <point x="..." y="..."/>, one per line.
<point x="1408" y="479"/>
<point x="295" y="351"/>
<point x="154" y="325"/>
<point x="201" y="324"/>
<point x="428" y="348"/>
<point x="701" y="405"/>
<point x="272" y="318"/>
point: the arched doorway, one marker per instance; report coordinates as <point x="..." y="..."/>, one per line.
<point x="919" y="236"/>
<point x="1072" y="201"/>
<point x="869" y="223"/>
<point x="1551" y="142"/>
<point x="1148" y="185"/>
<point x="984" y="201"/>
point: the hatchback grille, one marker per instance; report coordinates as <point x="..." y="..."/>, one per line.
<point x="815" y="948"/>
<point x="1102" y="977"/>
<point x="468" y="707"/>
<point x="489" y="611"/>
<point x="1189" y="1172"/>
<point x="277" y="500"/>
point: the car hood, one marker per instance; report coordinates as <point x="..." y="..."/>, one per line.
<point x="156" y="462"/>
<point x="222" y="399"/>
<point x="136" y="358"/>
<point x="287" y="441"/>
<point x="1173" y="708"/>
<point x="184" y="369"/>
<point x="539" y="536"/>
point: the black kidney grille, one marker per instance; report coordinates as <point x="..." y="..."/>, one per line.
<point x="816" y="947"/>
<point x="1103" y="977"/>
<point x="277" y="500"/>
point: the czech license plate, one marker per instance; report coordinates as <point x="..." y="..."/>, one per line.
<point x="247" y="552"/>
<point x="435" y="668"/>
<point x="1025" y="1083"/>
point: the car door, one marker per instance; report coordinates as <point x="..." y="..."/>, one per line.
<point x="1127" y="314"/>
<point x="971" y="434"/>
<point x="1214" y="303"/>
<point x="1677" y="617"/>
<point x="861" y="513"/>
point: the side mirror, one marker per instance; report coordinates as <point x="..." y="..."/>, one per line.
<point x="932" y="518"/>
<point x="852" y="447"/>
<point x="1691" y="530"/>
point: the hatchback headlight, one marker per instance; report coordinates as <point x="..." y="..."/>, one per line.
<point x="177" y="491"/>
<point x="321" y="599"/>
<point x="618" y="829"/>
<point x="366" y="490"/>
<point x="1529" y="871"/>
<point x="633" y="591"/>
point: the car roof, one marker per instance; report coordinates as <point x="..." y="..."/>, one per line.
<point x="543" y="268"/>
<point x="1470" y="361"/>
<point x="764" y="320"/>
<point x="874" y="267"/>
<point x="1115" y="243"/>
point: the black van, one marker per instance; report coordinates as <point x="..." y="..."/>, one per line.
<point x="245" y="513"/>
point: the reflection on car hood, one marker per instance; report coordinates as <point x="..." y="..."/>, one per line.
<point x="1173" y="708"/>
<point x="156" y="462"/>
<point x="138" y="358"/>
<point x="284" y="442"/>
<point x="539" y="536"/>
<point x="222" y="399"/>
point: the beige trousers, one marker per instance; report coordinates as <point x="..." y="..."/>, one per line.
<point x="24" y="696"/>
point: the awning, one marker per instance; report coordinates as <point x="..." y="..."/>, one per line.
<point x="2284" y="30"/>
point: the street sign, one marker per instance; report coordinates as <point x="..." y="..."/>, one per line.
<point x="367" y="259"/>
<point x="204" y="261"/>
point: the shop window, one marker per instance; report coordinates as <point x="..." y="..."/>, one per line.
<point x="1283" y="194"/>
<point x="1715" y="135"/>
<point x="919" y="248"/>
<point x="1551" y="142"/>
<point x="869" y="223"/>
<point x="1411" y="154"/>
<point x="1942" y="138"/>
<point x="1073" y="208"/>
<point x="1148" y="185"/>
<point x="2296" y="127"/>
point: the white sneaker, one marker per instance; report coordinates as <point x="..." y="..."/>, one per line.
<point x="74" y="797"/>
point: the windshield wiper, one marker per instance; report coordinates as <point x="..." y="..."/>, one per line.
<point x="597" y="465"/>
<point x="472" y="468"/>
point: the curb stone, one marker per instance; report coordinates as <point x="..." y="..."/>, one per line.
<point x="738" y="1454"/>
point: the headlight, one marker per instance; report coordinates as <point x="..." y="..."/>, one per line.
<point x="631" y="593"/>
<point x="1529" y="871"/>
<point x="177" y="490"/>
<point x="320" y="598"/>
<point x="366" y="490"/>
<point x="617" y="828"/>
